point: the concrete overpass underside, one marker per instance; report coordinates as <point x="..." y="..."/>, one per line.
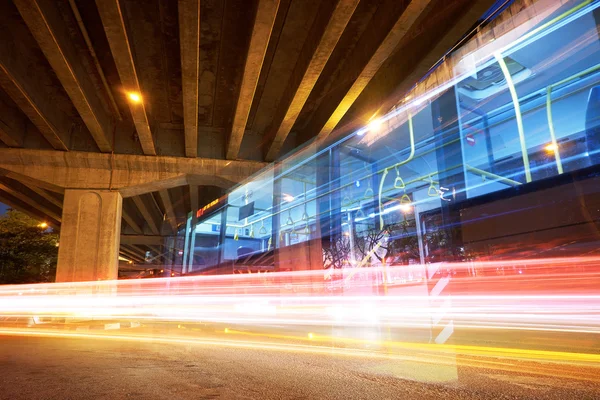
<point x="118" y="117"/>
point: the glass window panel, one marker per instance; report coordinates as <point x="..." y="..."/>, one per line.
<point x="249" y="218"/>
<point x="205" y="243"/>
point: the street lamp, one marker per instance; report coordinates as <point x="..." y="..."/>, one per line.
<point x="134" y="97"/>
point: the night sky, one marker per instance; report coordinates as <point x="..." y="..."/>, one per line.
<point x="3" y="208"/>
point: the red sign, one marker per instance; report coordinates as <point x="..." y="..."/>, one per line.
<point x="470" y="139"/>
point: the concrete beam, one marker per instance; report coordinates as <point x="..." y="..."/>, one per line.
<point x="189" y="39"/>
<point x="113" y="20"/>
<point x="19" y="78"/>
<point x="52" y="35"/>
<point x="92" y="53"/>
<point x="475" y="10"/>
<point x="147" y="240"/>
<point x="259" y="40"/>
<point x="131" y="249"/>
<point x="406" y="20"/>
<point x="130" y="221"/>
<point x="31" y="181"/>
<point x="128" y="253"/>
<point x="130" y="174"/>
<point x="147" y="214"/>
<point x="138" y="248"/>
<point x="155" y="248"/>
<point x="166" y="200"/>
<point x="27" y="200"/>
<point x="179" y="180"/>
<point x="43" y="193"/>
<point x="13" y="125"/>
<point x="317" y="50"/>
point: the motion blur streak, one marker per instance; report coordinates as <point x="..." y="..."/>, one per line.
<point x="440" y="356"/>
<point x="528" y="310"/>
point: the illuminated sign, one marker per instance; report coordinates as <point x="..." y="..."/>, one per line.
<point x="206" y="207"/>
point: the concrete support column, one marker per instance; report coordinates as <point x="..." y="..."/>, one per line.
<point x="89" y="236"/>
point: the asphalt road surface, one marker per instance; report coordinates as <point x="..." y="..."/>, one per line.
<point x="33" y="367"/>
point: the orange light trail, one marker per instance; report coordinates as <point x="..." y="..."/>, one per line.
<point x="552" y="297"/>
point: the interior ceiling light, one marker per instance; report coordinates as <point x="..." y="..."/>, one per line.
<point x="551" y="147"/>
<point x="405" y="208"/>
<point x="135" y="97"/>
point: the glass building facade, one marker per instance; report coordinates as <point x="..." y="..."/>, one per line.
<point x="499" y="162"/>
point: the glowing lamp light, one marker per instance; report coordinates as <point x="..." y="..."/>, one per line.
<point x="43" y="225"/>
<point x="406" y="208"/>
<point x="551" y="147"/>
<point x="134" y="97"/>
<point x="375" y="125"/>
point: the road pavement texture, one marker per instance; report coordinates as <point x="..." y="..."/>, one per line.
<point x="34" y="367"/>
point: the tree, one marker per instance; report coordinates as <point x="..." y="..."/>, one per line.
<point x="336" y="252"/>
<point x="397" y="242"/>
<point x="28" y="249"/>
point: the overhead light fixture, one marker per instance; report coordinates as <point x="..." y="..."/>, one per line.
<point x="43" y="225"/>
<point x="288" y="197"/>
<point x="134" y="97"/>
<point x="406" y="208"/>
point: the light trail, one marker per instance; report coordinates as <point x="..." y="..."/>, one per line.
<point x="547" y="297"/>
<point x="433" y="355"/>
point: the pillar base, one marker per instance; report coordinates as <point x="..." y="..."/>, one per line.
<point x="89" y="237"/>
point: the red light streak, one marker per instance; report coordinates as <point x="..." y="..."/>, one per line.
<point x="557" y="296"/>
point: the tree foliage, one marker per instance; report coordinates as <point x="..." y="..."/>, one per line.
<point x="336" y="252"/>
<point x="28" y="252"/>
<point x="395" y="242"/>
